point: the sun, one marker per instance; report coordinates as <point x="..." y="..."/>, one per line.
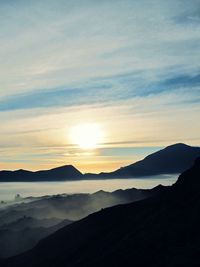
<point x="86" y="136"/>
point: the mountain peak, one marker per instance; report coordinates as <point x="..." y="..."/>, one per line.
<point x="175" y="158"/>
<point x="178" y="145"/>
<point x="66" y="172"/>
<point x="64" y="167"/>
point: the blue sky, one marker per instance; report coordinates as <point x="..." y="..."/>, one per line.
<point x="132" y="67"/>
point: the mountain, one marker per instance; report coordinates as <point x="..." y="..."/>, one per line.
<point x="73" y="207"/>
<point x="172" y="159"/>
<point x="160" y="231"/>
<point x="24" y="233"/>
<point x="67" y="172"/>
<point x="30" y="222"/>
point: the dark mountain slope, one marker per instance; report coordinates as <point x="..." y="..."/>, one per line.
<point x="159" y="231"/>
<point x="18" y="237"/>
<point x="172" y="159"/>
<point x="16" y="223"/>
<point x="29" y="222"/>
<point x="73" y="207"/>
<point x="67" y="172"/>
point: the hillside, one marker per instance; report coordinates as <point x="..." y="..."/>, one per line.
<point x="67" y="172"/>
<point x="159" y="231"/>
<point x="30" y="222"/>
<point x="172" y="159"/>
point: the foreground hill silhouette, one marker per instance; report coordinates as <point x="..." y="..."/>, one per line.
<point x="32" y="221"/>
<point x="172" y="159"/>
<point x="159" y="231"/>
<point x="24" y="233"/>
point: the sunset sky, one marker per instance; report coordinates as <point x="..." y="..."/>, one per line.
<point x="127" y="71"/>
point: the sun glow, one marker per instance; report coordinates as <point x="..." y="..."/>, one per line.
<point x="86" y="136"/>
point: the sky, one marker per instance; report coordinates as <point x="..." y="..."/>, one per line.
<point x="130" y="67"/>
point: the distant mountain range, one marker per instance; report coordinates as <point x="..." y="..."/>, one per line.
<point x="159" y="231"/>
<point x="67" y="172"/>
<point x="172" y="159"/>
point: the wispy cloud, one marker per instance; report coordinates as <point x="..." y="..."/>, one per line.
<point x="131" y="66"/>
<point x="105" y="90"/>
<point x="48" y="44"/>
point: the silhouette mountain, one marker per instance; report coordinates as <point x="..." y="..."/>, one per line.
<point x="172" y="159"/>
<point x="24" y="234"/>
<point x="32" y="221"/>
<point x="29" y="222"/>
<point x="67" y="172"/>
<point x="159" y="231"/>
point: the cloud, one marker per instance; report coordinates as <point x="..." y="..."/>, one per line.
<point x="131" y="66"/>
<point x="48" y="44"/>
<point x="107" y="91"/>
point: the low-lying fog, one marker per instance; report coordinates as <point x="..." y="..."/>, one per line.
<point x="32" y="219"/>
<point x="27" y="189"/>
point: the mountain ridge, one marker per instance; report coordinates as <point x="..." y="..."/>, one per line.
<point x="172" y="159"/>
<point x="30" y="220"/>
<point x="159" y="231"/>
<point x="62" y="173"/>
